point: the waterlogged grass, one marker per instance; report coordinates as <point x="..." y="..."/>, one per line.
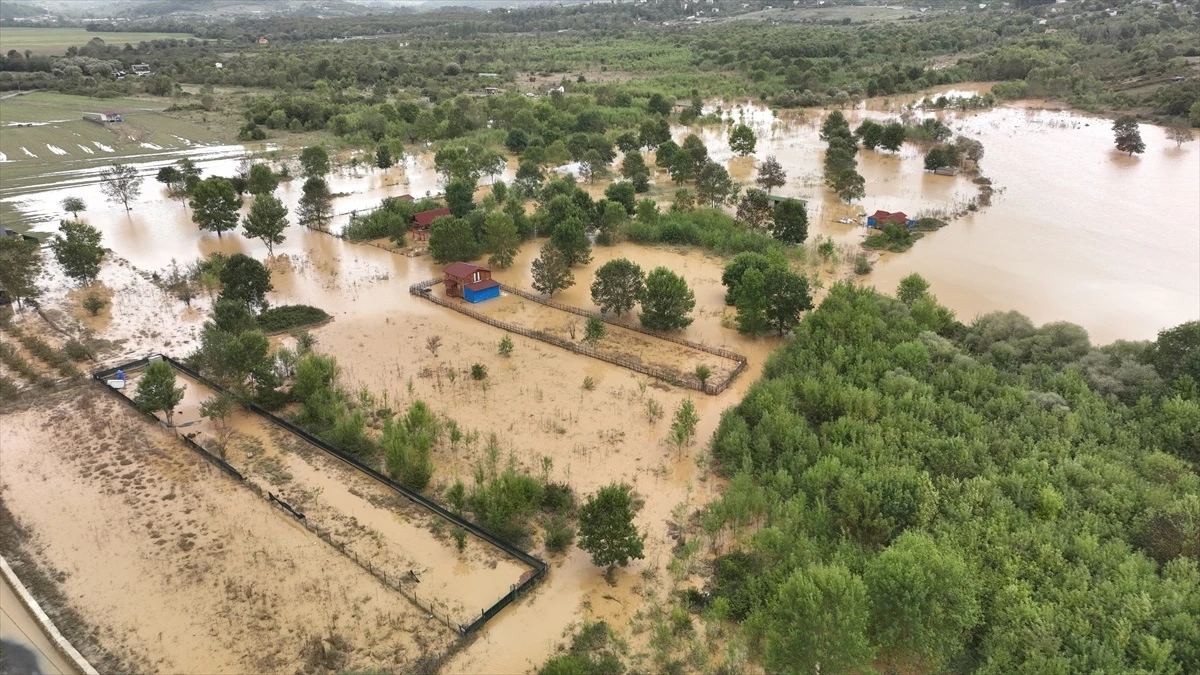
<point x="55" y="41"/>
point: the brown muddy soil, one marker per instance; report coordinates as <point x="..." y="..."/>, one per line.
<point x="178" y="568"/>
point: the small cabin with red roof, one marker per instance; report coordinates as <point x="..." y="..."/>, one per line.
<point x="880" y="219"/>
<point x="470" y="282"/>
<point x="422" y="221"/>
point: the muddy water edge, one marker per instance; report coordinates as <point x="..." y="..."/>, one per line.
<point x="1075" y="232"/>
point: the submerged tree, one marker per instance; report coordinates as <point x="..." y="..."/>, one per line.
<point x="770" y="174"/>
<point x="551" y="271"/>
<point x="606" y="527"/>
<point x="215" y="205"/>
<point x="742" y="140"/>
<point x="314" y="161"/>
<point x="619" y="285"/>
<point x="121" y="183"/>
<point x="316" y="204"/>
<point x="73" y="205"/>
<point x="500" y="238"/>
<point x="668" y="302"/>
<point x="156" y="390"/>
<point x="266" y="220"/>
<point x="1126" y="135"/>
<point x="246" y="280"/>
<point x="790" y="221"/>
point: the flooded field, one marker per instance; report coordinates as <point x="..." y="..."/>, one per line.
<point x="373" y="522"/>
<point x="179" y="569"/>
<point x="1075" y="232"/>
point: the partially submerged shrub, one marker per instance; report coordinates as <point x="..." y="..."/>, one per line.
<point x="93" y="303"/>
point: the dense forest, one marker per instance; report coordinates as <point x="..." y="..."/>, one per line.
<point x="915" y="494"/>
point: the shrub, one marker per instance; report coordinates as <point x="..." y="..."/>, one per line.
<point x="703" y="372"/>
<point x="558" y="498"/>
<point x="506" y="346"/>
<point x="478" y="371"/>
<point x="93" y="304"/>
<point x="589" y="383"/>
<point x="559" y="534"/>
<point x="8" y="389"/>
<point x="77" y="350"/>
<point x="861" y="264"/>
<point x="287" y="317"/>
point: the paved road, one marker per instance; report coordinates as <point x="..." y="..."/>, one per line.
<point x="27" y="650"/>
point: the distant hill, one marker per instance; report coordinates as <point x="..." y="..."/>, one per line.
<point x="19" y="10"/>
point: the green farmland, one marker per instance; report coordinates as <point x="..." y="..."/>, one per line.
<point x="52" y="41"/>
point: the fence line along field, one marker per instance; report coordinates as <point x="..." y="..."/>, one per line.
<point x="46" y="41"/>
<point x="176" y="567"/>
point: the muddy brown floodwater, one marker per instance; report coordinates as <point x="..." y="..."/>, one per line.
<point x="1075" y="232"/>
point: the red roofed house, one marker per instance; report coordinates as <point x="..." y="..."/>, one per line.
<point x="879" y="219"/>
<point x="470" y="282"/>
<point x="422" y="221"/>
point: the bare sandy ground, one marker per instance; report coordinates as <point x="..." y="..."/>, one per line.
<point x="179" y="569"/>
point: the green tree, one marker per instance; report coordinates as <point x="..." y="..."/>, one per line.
<point x="383" y="157"/>
<point x="451" y="240"/>
<point x="594" y="331"/>
<point x="653" y="133"/>
<point x="680" y="167"/>
<point x="912" y="288"/>
<point x="121" y="183"/>
<point x="893" y="136"/>
<point x="612" y="218"/>
<point x="696" y="151"/>
<point x="742" y="140"/>
<point x="849" y="185"/>
<point x="754" y="209"/>
<point x="551" y="271"/>
<point x="634" y="169"/>
<point x="817" y="622"/>
<point x="20" y="267"/>
<point x="460" y="196"/>
<point x="77" y="248"/>
<point x="683" y="426"/>
<point x="770" y="174"/>
<point x="835" y="125"/>
<point x="314" y="161"/>
<point x="261" y="180"/>
<point x="266" y="220"/>
<point x="500" y="238"/>
<point x="714" y="184"/>
<point x="516" y="141"/>
<point x="619" y="285"/>
<point x="570" y="238"/>
<point x="936" y="158"/>
<point x="658" y="105"/>
<point x="752" y="303"/>
<point x="624" y="194"/>
<point x="606" y="528"/>
<point x="787" y="297"/>
<point x="215" y="205"/>
<point x="731" y="277"/>
<point x="1176" y="352"/>
<point x="529" y="177"/>
<point x="156" y="390"/>
<point x="870" y="133"/>
<point x="790" y="222"/>
<point x="245" y="280"/>
<point x="316" y="204"/>
<point x="923" y="601"/>
<point x="667" y="302"/>
<point x="1126" y="135"/>
<point x="73" y="205"/>
<point x="172" y="178"/>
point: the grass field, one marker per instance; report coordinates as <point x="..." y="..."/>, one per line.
<point x="56" y="40"/>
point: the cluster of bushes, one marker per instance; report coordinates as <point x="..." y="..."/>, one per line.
<point x="593" y="651"/>
<point x="392" y="219"/>
<point x="289" y="317"/>
<point x="768" y="295"/>
<point x="9" y="357"/>
<point x="506" y="501"/>
<point x="710" y="229"/>
<point x="939" y="484"/>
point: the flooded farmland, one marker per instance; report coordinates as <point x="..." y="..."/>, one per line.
<point x="1075" y="232"/>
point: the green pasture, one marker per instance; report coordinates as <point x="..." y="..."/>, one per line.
<point x="55" y="41"/>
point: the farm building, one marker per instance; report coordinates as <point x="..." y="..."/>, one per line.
<point x="879" y="219"/>
<point x="422" y="221"/>
<point x="774" y="200"/>
<point x="140" y="69"/>
<point x="470" y="282"/>
<point x="946" y="171"/>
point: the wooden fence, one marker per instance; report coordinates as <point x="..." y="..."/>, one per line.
<point x="669" y="375"/>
